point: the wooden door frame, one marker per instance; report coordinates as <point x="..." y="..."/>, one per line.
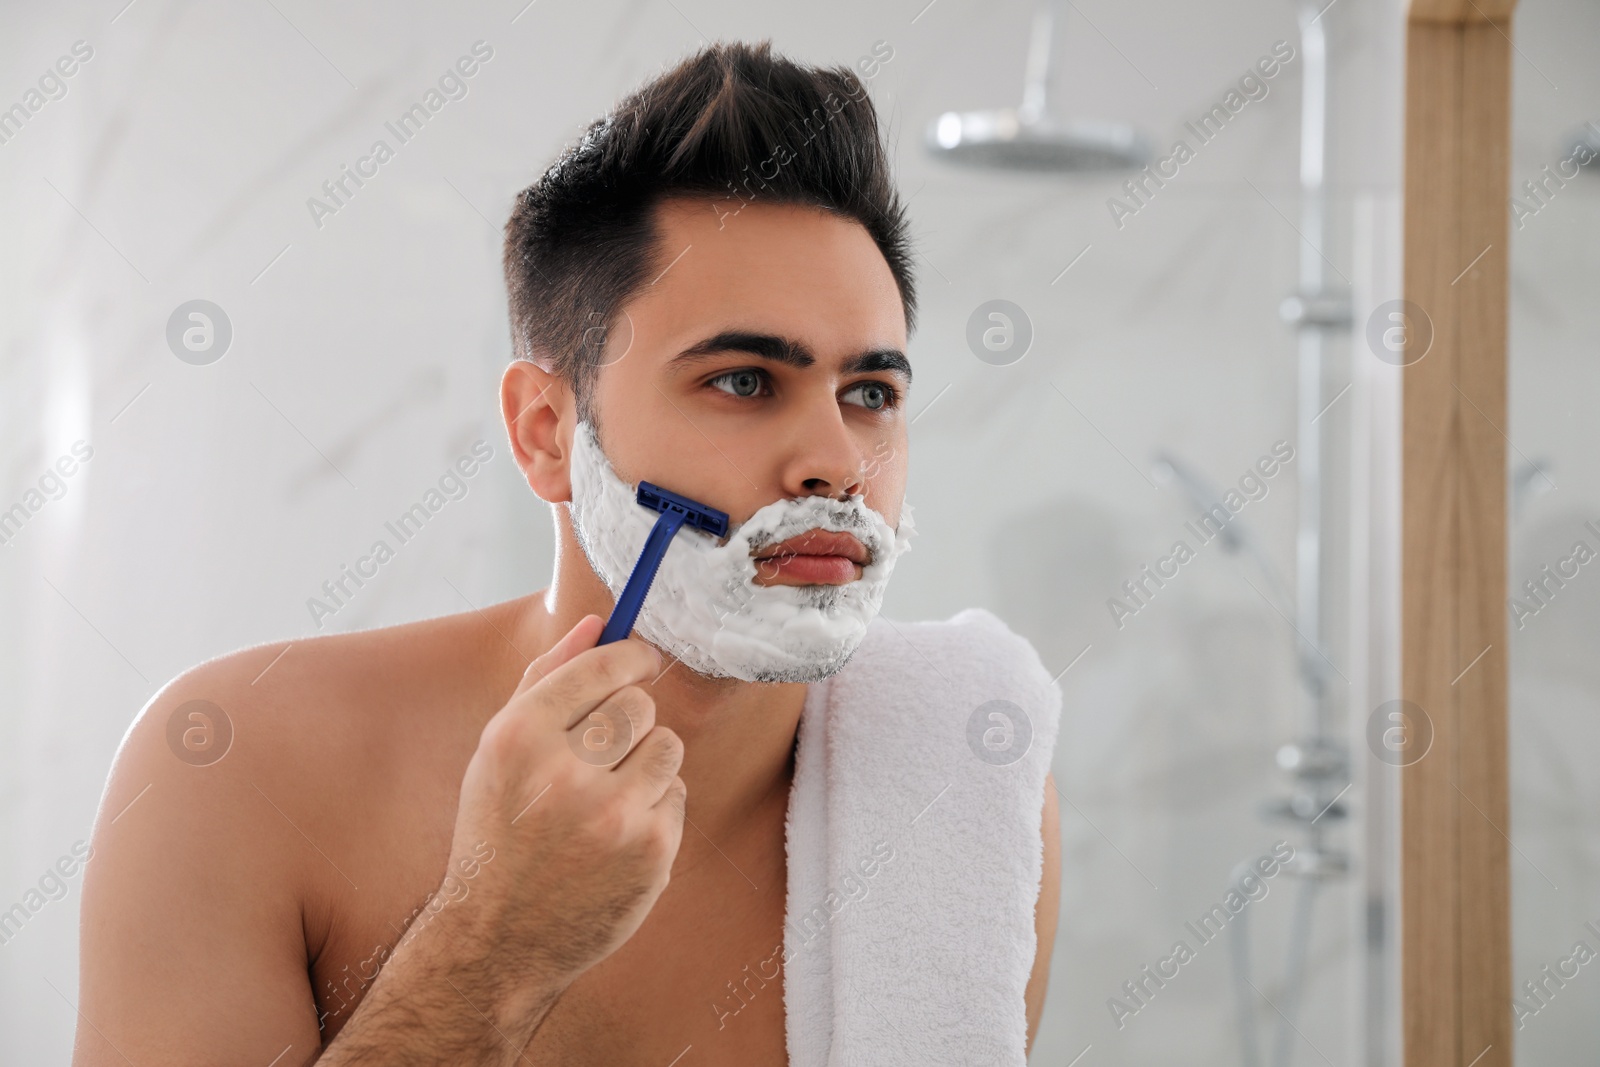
<point x="1455" y="938"/>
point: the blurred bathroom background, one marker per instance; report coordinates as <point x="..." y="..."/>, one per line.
<point x="1226" y="710"/>
<point x="1555" y="503"/>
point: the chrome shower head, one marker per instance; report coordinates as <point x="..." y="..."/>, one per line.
<point x="1028" y="138"/>
<point x="1007" y="140"/>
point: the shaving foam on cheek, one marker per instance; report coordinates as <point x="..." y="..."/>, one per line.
<point x="704" y="607"/>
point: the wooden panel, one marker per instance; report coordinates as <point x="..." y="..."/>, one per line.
<point x="1460" y="11"/>
<point x="1455" y="907"/>
<point x="1429" y="907"/>
<point x="1481" y="763"/>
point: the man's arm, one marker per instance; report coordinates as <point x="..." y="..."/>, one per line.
<point x="1045" y="912"/>
<point x="194" y="950"/>
<point x="192" y="947"/>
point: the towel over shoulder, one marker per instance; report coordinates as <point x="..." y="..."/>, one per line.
<point x="914" y="848"/>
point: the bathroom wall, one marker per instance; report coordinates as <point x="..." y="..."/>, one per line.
<point x="1555" y="685"/>
<point x="366" y="345"/>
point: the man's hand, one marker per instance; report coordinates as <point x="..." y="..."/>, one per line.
<point x="576" y="790"/>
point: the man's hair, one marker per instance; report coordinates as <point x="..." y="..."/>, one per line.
<point x="733" y="121"/>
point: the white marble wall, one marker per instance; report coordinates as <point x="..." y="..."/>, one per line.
<point x="365" y="352"/>
<point x="1555" y="683"/>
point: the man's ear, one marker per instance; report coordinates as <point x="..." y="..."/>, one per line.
<point x="540" y="417"/>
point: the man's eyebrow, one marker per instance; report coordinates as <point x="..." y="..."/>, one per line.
<point x="890" y="359"/>
<point x="765" y="345"/>
<point x="789" y="351"/>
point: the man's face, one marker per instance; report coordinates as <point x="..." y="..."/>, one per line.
<point x="766" y="362"/>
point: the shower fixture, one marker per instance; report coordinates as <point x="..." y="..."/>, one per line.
<point x="1029" y="138"/>
<point x="1317" y="763"/>
<point x="1529" y="479"/>
<point x="1235" y="537"/>
<point x="1584" y="146"/>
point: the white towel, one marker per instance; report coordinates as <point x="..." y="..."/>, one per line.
<point x="914" y="848"/>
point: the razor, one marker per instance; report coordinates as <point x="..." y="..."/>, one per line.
<point x="674" y="513"/>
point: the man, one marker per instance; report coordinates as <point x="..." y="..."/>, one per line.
<point x="410" y="853"/>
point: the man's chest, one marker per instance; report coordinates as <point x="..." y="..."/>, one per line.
<point x="702" y="979"/>
<point x="703" y="972"/>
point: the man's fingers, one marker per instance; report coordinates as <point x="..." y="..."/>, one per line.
<point x="654" y="762"/>
<point x="673" y="801"/>
<point x="567" y="694"/>
<point x="605" y="735"/>
<point x="578" y="639"/>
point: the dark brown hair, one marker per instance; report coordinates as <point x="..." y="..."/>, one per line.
<point x="733" y="121"/>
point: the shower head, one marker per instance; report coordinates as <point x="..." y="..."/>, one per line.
<point x="1008" y="140"/>
<point x="1028" y="138"/>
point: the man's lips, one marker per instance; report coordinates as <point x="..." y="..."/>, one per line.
<point x="816" y="557"/>
<point x="819" y="543"/>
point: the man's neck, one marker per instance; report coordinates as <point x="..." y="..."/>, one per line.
<point x="738" y="737"/>
<point x="738" y="744"/>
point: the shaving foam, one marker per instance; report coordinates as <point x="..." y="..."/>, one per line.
<point x="705" y="608"/>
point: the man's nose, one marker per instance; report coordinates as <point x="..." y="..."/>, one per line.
<point x="824" y="458"/>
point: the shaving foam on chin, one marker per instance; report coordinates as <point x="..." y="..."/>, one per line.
<point x="705" y="608"/>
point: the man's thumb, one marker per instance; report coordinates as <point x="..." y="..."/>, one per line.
<point x="578" y="639"/>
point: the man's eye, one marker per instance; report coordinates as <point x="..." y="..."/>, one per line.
<point x="874" y="396"/>
<point x="739" y="382"/>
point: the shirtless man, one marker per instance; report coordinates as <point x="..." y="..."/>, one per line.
<point x="402" y="857"/>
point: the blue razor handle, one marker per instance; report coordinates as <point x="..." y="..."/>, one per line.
<point x="675" y="512"/>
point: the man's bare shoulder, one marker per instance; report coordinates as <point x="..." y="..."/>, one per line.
<point x="281" y="804"/>
<point x="322" y="720"/>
